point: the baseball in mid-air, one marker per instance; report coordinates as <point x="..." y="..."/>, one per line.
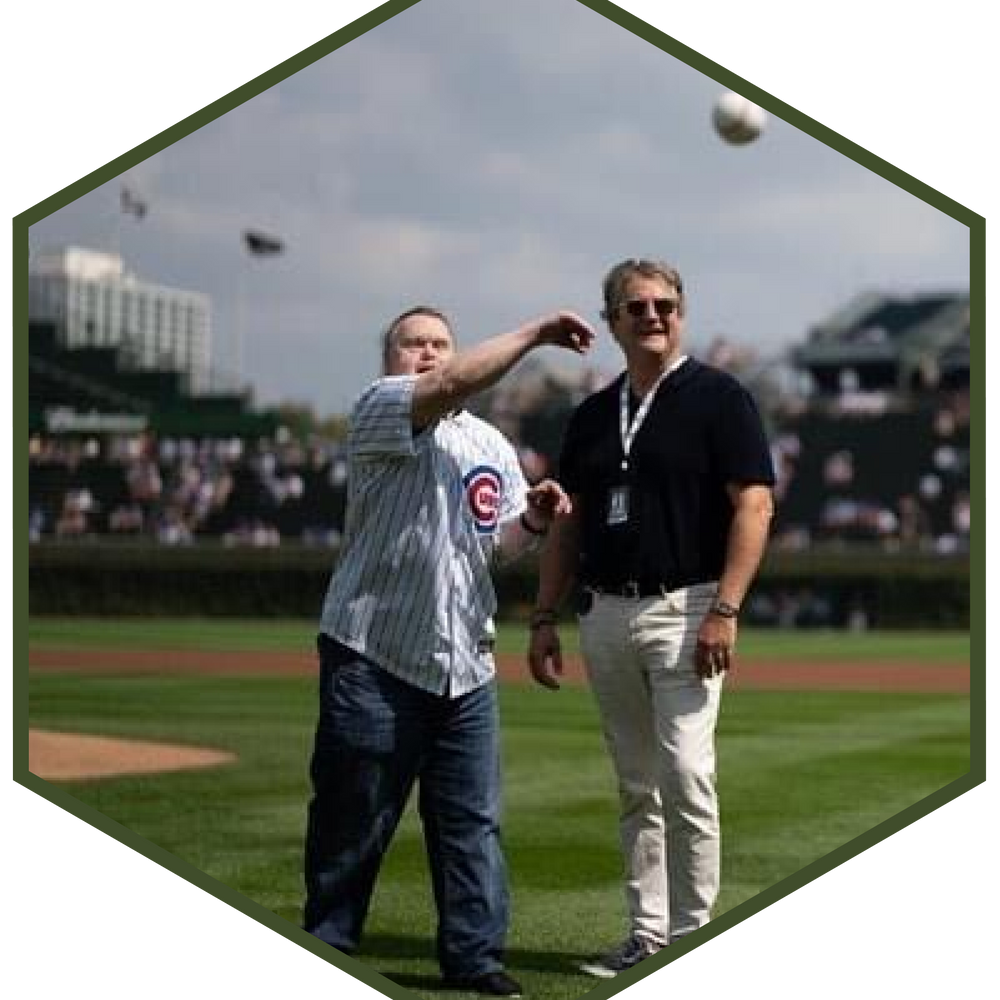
<point x="737" y="120"/>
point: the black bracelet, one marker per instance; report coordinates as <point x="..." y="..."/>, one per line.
<point x="531" y="529"/>
<point x="541" y="617"/>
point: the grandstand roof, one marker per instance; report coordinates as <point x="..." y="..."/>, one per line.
<point x="886" y="329"/>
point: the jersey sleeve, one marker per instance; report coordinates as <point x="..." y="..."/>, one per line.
<point x="381" y="423"/>
<point x="515" y="487"/>
<point x="740" y="442"/>
<point x="568" y="468"/>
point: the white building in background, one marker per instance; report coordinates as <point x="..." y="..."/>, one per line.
<point x="94" y="302"/>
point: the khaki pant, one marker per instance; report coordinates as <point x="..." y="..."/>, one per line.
<point x="659" y="722"/>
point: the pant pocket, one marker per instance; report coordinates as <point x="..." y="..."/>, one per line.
<point x="583" y="602"/>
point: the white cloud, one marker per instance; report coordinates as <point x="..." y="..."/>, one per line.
<point x="456" y="156"/>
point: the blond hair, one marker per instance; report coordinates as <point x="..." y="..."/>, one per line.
<point x="621" y="274"/>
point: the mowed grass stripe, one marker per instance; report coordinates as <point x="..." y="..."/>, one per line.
<point x="867" y="730"/>
<point x="174" y="633"/>
<point x="800" y="774"/>
<point x="299" y="636"/>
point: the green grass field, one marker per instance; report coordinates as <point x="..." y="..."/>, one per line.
<point x="281" y="634"/>
<point x="800" y="773"/>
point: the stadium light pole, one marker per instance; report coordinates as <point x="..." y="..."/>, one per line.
<point x="237" y="360"/>
<point x="131" y="204"/>
<point x="257" y="244"/>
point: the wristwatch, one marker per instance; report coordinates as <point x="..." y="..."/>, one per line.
<point x="724" y="609"/>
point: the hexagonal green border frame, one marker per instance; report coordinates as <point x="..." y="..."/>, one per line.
<point x="977" y="237"/>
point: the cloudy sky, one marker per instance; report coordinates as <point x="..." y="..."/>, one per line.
<point x="457" y="157"/>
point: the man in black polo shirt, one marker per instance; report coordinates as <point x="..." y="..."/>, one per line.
<point x="670" y="476"/>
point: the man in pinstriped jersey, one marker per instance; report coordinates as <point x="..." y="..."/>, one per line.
<point x="407" y="693"/>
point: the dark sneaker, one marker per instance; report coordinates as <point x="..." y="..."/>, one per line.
<point x="627" y="954"/>
<point x="490" y="984"/>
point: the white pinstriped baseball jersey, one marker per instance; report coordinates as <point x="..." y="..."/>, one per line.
<point x="412" y="589"/>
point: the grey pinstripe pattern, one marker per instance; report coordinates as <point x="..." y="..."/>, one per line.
<point x="412" y="588"/>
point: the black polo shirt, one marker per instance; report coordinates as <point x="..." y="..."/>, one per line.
<point x="701" y="432"/>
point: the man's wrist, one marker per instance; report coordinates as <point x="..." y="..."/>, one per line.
<point x="542" y="617"/>
<point x="531" y="529"/>
<point x="724" y="609"/>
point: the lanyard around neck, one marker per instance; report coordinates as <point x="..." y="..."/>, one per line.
<point x="629" y="429"/>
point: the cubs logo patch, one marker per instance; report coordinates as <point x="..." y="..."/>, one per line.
<point x="483" y="488"/>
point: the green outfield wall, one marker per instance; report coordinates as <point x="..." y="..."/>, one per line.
<point x="822" y="588"/>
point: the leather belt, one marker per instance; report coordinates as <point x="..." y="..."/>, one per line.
<point x="633" y="588"/>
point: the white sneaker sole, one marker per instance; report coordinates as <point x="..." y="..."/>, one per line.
<point x="598" y="970"/>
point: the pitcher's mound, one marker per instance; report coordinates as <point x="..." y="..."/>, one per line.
<point x="80" y="757"/>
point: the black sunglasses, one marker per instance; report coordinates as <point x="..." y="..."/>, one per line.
<point x="637" y="308"/>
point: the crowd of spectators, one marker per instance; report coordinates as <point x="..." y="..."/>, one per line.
<point x="898" y="481"/>
<point x="889" y="472"/>
<point x="178" y="491"/>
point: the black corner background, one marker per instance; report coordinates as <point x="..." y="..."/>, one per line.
<point x="87" y="909"/>
<point x="904" y="86"/>
<point x="85" y="903"/>
<point x="898" y="915"/>
<point x="97" y="85"/>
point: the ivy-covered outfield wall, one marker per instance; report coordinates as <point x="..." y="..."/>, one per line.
<point x="810" y="589"/>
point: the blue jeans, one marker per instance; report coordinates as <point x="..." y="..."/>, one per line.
<point x="377" y="736"/>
